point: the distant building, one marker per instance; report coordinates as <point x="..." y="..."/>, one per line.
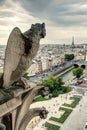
<point x="32" y="69"/>
<point x="39" y="63"/>
<point x="85" y="79"/>
<point x="73" y="44"/>
<point x="48" y="63"/>
<point x="62" y="60"/>
<point x="84" y="49"/>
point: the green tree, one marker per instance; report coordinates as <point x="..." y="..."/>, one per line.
<point x="55" y="93"/>
<point x="69" y="57"/>
<point x="49" y="82"/>
<point x="53" y="83"/>
<point x="78" y="72"/>
<point x="58" y="83"/>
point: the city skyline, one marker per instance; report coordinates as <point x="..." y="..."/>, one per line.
<point x="63" y="19"/>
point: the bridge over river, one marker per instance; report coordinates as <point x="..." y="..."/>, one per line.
<point x="81" y="63"/>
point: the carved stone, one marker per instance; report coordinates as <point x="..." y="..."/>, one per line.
<point x="16" y="108"/>
<point x="21" y="49"/>
<point x="15" y="101"/>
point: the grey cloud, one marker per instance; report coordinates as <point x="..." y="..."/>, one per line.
<point x="2" y="1"/>
<point x="56" y="12"/>
<point x="67" y="15"/>
<point x="5" y="9"/>
<point x="52" y="10"/>
<point x="6" y="14"/>
<point x="37" y="8"/>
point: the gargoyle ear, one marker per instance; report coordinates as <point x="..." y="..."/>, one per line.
<point x="32" y="25"/>
<point x="43" y="25"/>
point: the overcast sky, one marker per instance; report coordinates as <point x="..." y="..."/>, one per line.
<point x="63" y="19"/>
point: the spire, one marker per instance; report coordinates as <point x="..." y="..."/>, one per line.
<point x="73" y="45"/>
<point x="73" y="41"/>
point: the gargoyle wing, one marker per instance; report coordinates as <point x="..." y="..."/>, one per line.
<point x="14" y="51"/>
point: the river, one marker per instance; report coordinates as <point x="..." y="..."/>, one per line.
<point x="67" y="76"/>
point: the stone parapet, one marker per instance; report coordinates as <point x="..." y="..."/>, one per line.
<point x="15" y="103"/>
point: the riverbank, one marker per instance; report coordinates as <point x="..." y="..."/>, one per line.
<point x="58" y="70"/>
<point x="64" y="71"/>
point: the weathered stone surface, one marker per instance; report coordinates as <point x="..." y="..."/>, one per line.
<point x="26" y="104"/>
<point x="14" y="99"/>
<point x="5" y="95"/>
<point x="42" y="112"/>
<point x="9" y="106"/>
<point x="21" y="49"/>
<point x="8" y="94"/>
<point x="20" y="102"/>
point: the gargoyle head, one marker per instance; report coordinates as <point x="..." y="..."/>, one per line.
<point x="39" y="29"/>
<point x="43" y="113"/>
<point x="44" y="92"/>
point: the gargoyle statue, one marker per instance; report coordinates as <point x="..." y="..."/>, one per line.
<point x="21" y="49"/>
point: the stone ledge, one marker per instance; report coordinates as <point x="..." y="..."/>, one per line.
<point x="14" y="91"/>
<point x="5" y="95"/>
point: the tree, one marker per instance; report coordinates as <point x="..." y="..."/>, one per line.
<point x="49" y="82"/>
<point x="55" y="93"/>
<point x="53" y="83"/>
<point x="58" y="83"/>
<point x="69" y="57"/>
<point x="78" y="72"/>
